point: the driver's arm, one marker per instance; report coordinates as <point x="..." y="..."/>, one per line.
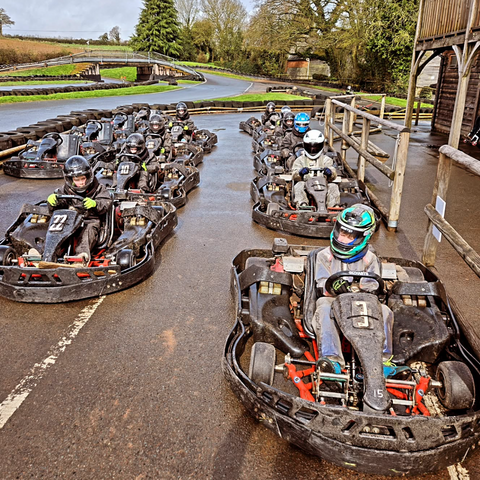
<point x="297" y="166"/>
<point x="322" y="272"/>
<point x="328" y="163"/>
<point x="371" y="265"/>
<point x="103" y="199"/>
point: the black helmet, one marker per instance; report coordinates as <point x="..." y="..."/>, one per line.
<point x="288" y="120"/>
<point x="78" y="166"/>
<point x="182" y="111"/>
<point x="142" y="115"/>
<point x="119" y="120"/>
<point x="136" y="144"/>
<point x="92" y="130"/>
<point x="270" y="108"/>
<point x="157" y="124"/>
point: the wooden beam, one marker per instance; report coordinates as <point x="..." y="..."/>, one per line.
<point x="363" y="146"/>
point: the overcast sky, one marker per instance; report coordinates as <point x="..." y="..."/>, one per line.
<point x="74" y="18"/>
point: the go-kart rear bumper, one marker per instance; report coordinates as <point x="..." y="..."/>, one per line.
<point x="33" y="169"/>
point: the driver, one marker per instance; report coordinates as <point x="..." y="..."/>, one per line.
<point x="349" y="250"/>
<point x="301" y="125"/>
<point x="269" y="112"/>
<point x="157" y="127"/>
<point x="314" y="157"/>
<point x="182" y="116"/>
<point x="135" y="145"/>
<point x="80" y="181"/>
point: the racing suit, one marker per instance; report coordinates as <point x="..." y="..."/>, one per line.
<point x="87" y="239"/>
<point x="187" y="122"/>
<point x="145" y="178"/>
<point x="324" y="161"/>
<point x="289" y="141"/>
<point x="324" y="326"/>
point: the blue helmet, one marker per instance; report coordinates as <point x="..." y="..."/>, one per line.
<point x="301" y="122"/>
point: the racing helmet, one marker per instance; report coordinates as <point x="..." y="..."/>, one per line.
<point x="301" y="122"/>
<point x="270" y="108"/>
<point x="119" y="121"/>
<point x="284" y="110"/>
<point x="92" y="130"/>
<point x="136" y="144"/>
<point x="78" y="166"/>
<point x="182" y="111"/>
<point x="313" y="143"/>
<point x="157" y="124"/>
<point x="288" y="120"/>
<point x="358" y="223"/>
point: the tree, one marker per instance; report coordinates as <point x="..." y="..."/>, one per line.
<point x="157" y="29"/>
<point x="103" y="38"/>
<point x="5" y="20"/>
<point x="114" y="35"/>
<point x="188" y="11"/>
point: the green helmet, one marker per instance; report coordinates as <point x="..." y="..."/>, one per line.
<point x="353" y="229"/>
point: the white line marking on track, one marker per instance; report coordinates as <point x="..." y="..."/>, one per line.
<point x="457" y="472"/>
<point x="12" y="403"/>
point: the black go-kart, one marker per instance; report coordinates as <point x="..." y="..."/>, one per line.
<point x="170" y="183"/>
<point x="43" y="159"/>
<point x="275" y="207"/>
<point x="205" y="139"/>
<point x="269" y="162"/>
<point x="266" y="141"/>
<point x="416" y="413"/>
<point x="37" y="260"/>
<point x="249" y="126"/>
<point x="186" y="153"/>
<point x="474" y="135"/>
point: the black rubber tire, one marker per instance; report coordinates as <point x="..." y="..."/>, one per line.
<point x="5" y="143"/>
<point x="125" y="258"/>
<point x="7" y="255"/>
<point x="30" y="133"/>
<point x="262" y="363"/>
<point x="458" y="386"/>
<point x="17" y="138"/>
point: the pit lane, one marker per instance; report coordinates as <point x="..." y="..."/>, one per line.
<point x="140" y="393"/>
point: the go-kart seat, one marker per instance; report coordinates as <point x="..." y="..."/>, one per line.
<point x="107" y="229"/>
<point x="69" y="146"/>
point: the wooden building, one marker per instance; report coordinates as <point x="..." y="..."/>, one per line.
<point x="451" y="29"/>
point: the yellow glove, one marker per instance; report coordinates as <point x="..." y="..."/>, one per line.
<point x="89" y="203"/>
<point x="52" y="200"/>
<point x="170" y="124"/>
<point x="144" y="166"/>
<point x="185" y="127"/>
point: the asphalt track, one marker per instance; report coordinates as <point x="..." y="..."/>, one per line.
<point x="130" y="386"/>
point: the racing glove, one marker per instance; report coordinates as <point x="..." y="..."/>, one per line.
<point x="52" y="200"/>
<point x="170" y="124"/>
<point x="304" y="171"/>
<point x="327" y="172"/>
<point x="144" y="166"/>
<point x="89" y="203"/>
<point x="341" y="286"/>
<point x="185" y="127"/>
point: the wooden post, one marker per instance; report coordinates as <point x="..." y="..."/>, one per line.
<point x="364" y="145"/>
<point x="328" y="110"/>
<point x="353" y="116"/>
<point x="419" y="105"/>
<point x="345" y="125"/>
<point x="396" y="198"/>
<point x="382" y="109"/>
<point x="333" y="109"/>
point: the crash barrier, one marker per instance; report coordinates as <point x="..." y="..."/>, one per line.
<point x="395" y="174"/>
<point x="435" y="219"/>
<point x="16" y="139"/>
<point x="42" y="78"/>
<point x="75" y="88"/>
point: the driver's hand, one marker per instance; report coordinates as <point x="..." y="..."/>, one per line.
<point x="89" y="203"/>
<point x="327" y="172"/>
<point x="304" y="171"/>
<point x="170" y="124"/>
<point x="52" y="200"/>
<point x="185" y="127"/>
<point x="341" y="286"/>
<point x="144" y="166"/>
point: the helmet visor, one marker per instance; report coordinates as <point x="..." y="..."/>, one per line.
<point x="313" y="149"/>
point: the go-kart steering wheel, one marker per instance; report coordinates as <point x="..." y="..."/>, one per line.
<point x="297" y="148"/>
<point x="132" y="156"/>
<point x="56" y="136"/>
<point x="357" y="276"/>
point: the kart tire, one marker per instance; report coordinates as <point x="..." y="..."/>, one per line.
<point x="458" y="387"/>
<point x="7" y="255"/>
<point x="125" y="258"/>
<point x="262" y="363"/>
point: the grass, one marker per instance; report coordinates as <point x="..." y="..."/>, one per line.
<point x="70" y="69"/>
<point x="199" y="65"/>
<point x="260" y="97"/>
<point x="81" y="46"/>
<point x="140" y="90"/>
<point x="229" y="75"/>
<point x="129" y="72"/>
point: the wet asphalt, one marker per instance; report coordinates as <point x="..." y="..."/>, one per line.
<point x="139" y="394"/>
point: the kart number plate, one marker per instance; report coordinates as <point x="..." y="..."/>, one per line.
<point x="58" y="223"/>
<point x="360" y="315"/>
<point x="125" y="169"/>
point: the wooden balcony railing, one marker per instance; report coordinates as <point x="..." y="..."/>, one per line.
<point x="447" y="17"/>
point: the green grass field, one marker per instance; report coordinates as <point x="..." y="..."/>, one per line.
<point x="46" y="82"/>
<point x="141" y="90"/>
<point x="129" y="72"/>
<point x="229" y="75"/>
<point x="69" y="69"/>
<point x="260" y="97"/>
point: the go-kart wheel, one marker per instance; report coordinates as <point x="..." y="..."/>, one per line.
<point x="7" y="255"/>
<point x="125" y="258"/>
<point x="458" y="387"/>
<point x="262" y="363"/>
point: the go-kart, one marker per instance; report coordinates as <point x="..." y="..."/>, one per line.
<point x="170" y="183"/>
<point x="250" y="125"/>
<point x="43" y="159"/>
<point x="269" y="162"/>
<point x="267" y="140"/>
<point x="275" y="206"/>
<point x="415" y="413"/>
<point x="204" y="139"/>
<point x="38" y="263"/>
<point x="473" y="136"/>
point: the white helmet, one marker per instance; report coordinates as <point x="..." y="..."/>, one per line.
<point x="313" y="143"/>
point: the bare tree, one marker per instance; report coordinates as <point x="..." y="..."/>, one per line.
<point x="188" y="12"/>
<point x="5" y="20"/>
<point x="114" y="35"/>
